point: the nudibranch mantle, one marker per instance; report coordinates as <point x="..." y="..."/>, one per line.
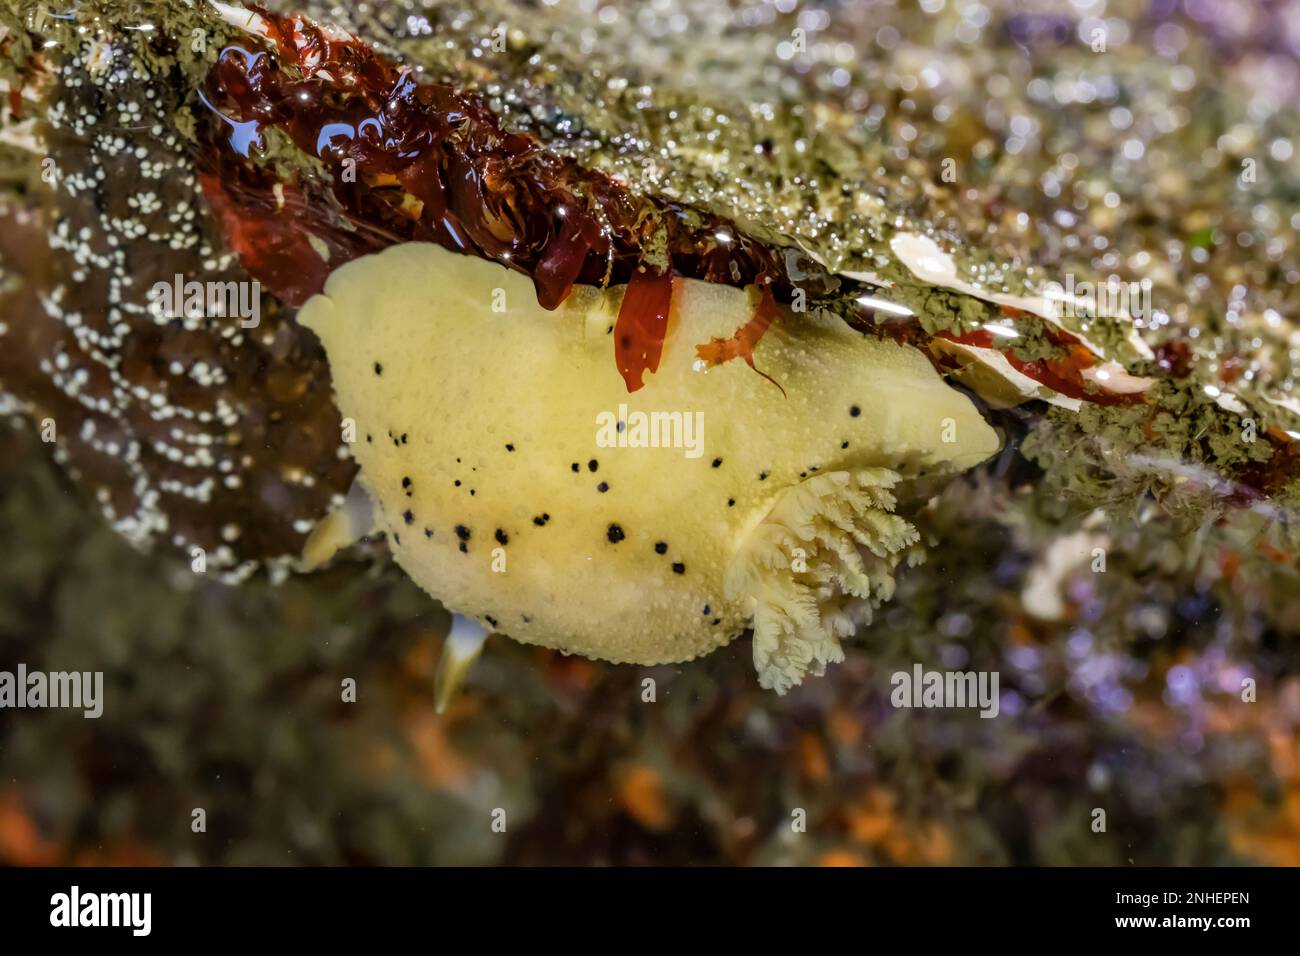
<point x="478" y="430"/>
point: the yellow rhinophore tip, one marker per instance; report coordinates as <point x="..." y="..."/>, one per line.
<point x="459" y="652"/>
<point x="345" y="526"/>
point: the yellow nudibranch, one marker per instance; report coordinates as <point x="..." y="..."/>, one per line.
<point x="520" y="484"/>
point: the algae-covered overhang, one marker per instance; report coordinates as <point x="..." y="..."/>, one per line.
<point x="153" y="34"/>
<point x="788" y="170"/>
<point x="792" y="169"/>
<point x="713" y="116"/>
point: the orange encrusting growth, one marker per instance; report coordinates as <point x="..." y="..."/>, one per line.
<point x="742" y="344"/>
<point x="1063" y="375"/>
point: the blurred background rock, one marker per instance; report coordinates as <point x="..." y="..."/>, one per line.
<point x="229" y="699"/>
